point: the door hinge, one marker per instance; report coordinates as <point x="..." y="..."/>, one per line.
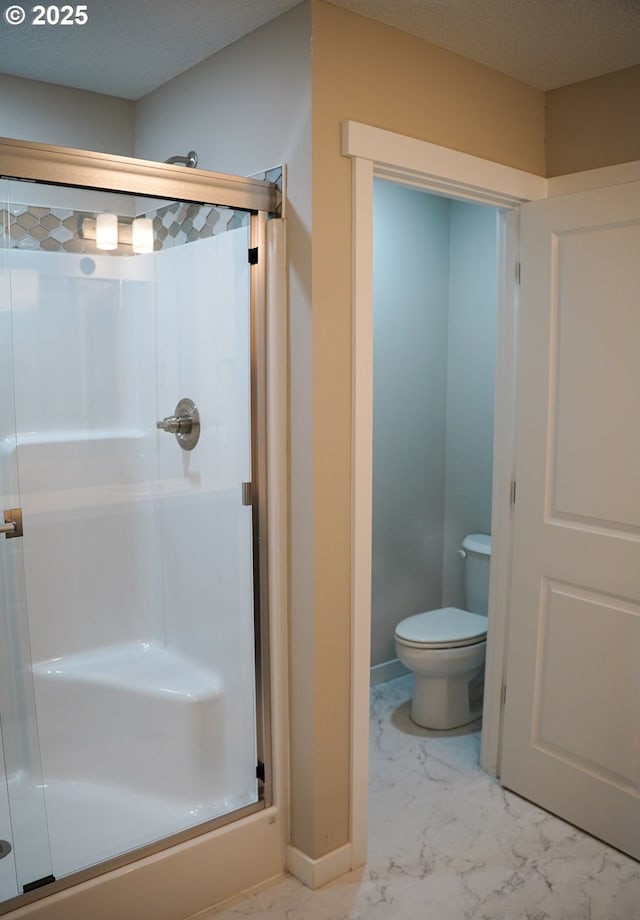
<point x="518" y="272"/>
<point x="247" y="493"/>
<point x="260" y="771"/>
<point x="513" y="491"/>
<point x="253" y="255"/>
<point x="504" y="694"/>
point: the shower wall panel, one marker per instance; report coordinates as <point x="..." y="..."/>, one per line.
<point x="84" y="350"/>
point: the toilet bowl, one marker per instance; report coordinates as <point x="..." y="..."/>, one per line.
<point x="445" y="648"/>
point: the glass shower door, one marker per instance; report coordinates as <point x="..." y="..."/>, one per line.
<point x="204" y="355"/>
<point x="24" y="845"/>
<point x="136" y="564"/>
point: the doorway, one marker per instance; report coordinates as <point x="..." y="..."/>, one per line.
<point x="435" y="316"/>
<point x="377" y="153"/>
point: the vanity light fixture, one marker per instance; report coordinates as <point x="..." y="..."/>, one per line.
<point x="110" y="233"/>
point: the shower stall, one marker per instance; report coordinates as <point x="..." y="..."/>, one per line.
<point x="134" y="706"/>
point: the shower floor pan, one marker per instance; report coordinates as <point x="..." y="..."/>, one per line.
<point x="91" y="822"/>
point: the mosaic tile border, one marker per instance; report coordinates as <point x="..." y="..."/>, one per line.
<point x="60" y="230"/>
<point x="179" y="222"/>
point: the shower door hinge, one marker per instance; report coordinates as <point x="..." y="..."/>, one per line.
<point x="247" y="493"/>
<point x="518" y="272"/>
<point x="504" y="694"/>
<point x="513" y="491"/>
<point x="260" y="771"/>
<point x="253" y="255"/>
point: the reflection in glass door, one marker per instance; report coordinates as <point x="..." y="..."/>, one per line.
<point x="128" y="703"/>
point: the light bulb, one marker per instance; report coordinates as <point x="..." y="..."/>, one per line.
<point x="142" y="234"/>
<point x="107" y="231"/>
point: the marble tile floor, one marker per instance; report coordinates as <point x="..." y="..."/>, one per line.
<point x="446" y="842"/>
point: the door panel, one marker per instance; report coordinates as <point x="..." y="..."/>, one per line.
<point x="594" y="403"/>
<point x="571" y="737"/>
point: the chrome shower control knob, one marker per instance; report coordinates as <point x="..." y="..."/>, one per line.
<point x="168" y="424"/>
<point x="185" y="424"/>
<point x="174" y="424"/>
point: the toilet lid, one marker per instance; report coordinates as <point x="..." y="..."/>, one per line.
<point x="448" y="627"/>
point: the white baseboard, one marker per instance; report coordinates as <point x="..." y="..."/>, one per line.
<point x="317" y="872"/>
<point x="388" y="670"/>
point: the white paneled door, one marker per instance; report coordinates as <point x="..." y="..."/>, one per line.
<point x="571" y="737"/>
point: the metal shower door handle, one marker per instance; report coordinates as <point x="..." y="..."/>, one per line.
<point x="185" y="424"/>
<point x="12" y="526"/>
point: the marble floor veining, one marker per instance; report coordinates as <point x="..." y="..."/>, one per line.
<point x="447" y="842"/>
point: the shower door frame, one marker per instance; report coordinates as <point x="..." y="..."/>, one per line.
<point x="25" y="161"/>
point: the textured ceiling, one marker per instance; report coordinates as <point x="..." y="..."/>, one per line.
<point x="130" y="47"/>
<point x="545" y="43"/>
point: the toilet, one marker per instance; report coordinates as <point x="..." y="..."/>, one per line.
<point x="445" y="648"/>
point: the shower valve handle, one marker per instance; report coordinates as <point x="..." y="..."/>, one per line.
<point x="175" y="424"/>
<point x="184" y="423"/>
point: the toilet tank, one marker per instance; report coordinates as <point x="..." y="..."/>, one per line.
<point x="477" y="551"/>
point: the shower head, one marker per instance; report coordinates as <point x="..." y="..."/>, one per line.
<point x="191" y="159"/>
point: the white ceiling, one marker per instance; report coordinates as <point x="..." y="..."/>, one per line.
<point x="130" y="47"/>
<point x="545" y="43"/>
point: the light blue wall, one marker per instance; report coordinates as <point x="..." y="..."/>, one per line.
<point x="64" y="117"/>
<point x="471" y="362"/>
<point x="411" y="282"/>
<point x="435" y="292"/>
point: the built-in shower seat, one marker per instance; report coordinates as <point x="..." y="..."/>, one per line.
<point x="142" y="667"/>
<point x="138" y="715"/>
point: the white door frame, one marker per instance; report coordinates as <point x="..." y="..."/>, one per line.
<point x="383" y="154"/>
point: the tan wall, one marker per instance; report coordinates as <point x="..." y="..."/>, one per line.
<point x="594" y="123"/>
<point x="368" y="72"/>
